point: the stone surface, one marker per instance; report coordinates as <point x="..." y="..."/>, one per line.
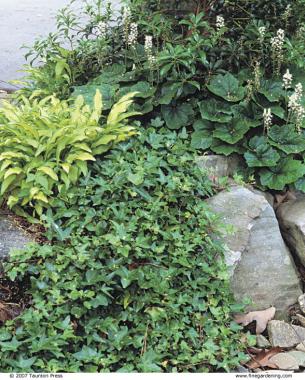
<point x="301" y="346"/>
<point x="219" y="166"/>
<point x="301" y="301"/>
<point x="282" y="334"/>
<point x="301" y="319"/>
<point x="11" y="237"/>
<point x="260" y="264"/>
<point x="299" y="356"/>
<point x="284" y="361"/>
<point x="262" y="342"/>
<point x="291" y="216"/>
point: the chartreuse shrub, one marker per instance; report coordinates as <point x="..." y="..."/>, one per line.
<point x="45" y="146"/>
<point x="138" y="282"/>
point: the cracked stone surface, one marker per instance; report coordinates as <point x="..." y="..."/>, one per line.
<point x="285" y="335"/>
<point x="11" y="237"/>
<point x="260" y="263"/>
<point x="291" y="216"/>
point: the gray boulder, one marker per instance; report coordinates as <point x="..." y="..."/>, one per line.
<point x="291" y="216"/>
<point x="219" y="166"/>
<point x="11" y="237"/>
<point x="260" y="264"/>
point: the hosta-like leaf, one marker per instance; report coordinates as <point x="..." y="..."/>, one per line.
<point x="177" y="116"/>
<point x="227" y="87"/>
<point x="287" y="171"/>
<point x="287" y="139"/>
<point x="261" y="153"/>
<point x="232" y="132"/>
<point x="215" y="110"/>
<point x="49" y="171"/>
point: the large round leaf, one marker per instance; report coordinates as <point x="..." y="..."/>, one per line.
<point x="227" y="87"/>
<point x="286" y="172"/>
<point x="202" y="138"/>
<point x="88" y="91"/>
<point x="232" y="132"/>
<point x="221" y="147"/>
<point x="214" y="110"/>
<point x="287" y="139"/>
<point x="261" y="153"/>
<point x="272" y="90"/>
<point x="178" y="115"/>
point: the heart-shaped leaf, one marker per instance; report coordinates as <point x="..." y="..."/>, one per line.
<point x="232" y="132"/>
<point x="287" y="171"/>
<point x="227" y="87"/>
<point x="178" y="115"/>
<point x="214" y="110"/>
<point x="221" y="147"/>
<point x="202" y="138"/>
<point x="287" y="139"/>
<point x="272" y="90"/>
<point x="261" y="153"/>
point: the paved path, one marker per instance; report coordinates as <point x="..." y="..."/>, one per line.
<point x="21" y="22"/>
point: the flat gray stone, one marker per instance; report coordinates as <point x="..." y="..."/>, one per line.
<point x="285" y="335"/>
<point x="301" y="346"/>
<point x="219" y="166"/>
<point x="299" y="357"/>
<point x="11" y="237"/>
<point x="284" y="361"/>
<point x="291" y="216"/>
<point x="259" y="262"/>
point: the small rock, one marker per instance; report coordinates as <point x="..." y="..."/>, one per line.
<point x="301" y="319"/>
<point x="301" y="346"/>
<point x="284" y="361"/>
<point x="219" y="166"/>
<point x="282" y="334"/>
<point x="301" y="301"/>
<point x="299" y="357"/>
<point x="262" y="342"/>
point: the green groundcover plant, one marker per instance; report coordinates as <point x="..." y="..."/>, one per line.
<point x="134" y="279"/>
<point x="235" y="83"/>
<point x="45" y="146"/>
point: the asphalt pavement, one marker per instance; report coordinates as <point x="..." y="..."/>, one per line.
<point x="21" y="22"/>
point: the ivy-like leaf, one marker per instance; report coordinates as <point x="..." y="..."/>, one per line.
<point x="227" y="87"/>
<point x="177" y="116"/>
<point x="287" y="139"/>
<point x="287" y="171"/>
<point x="261" y="153"/>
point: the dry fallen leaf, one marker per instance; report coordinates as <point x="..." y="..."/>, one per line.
<point x="261" y="317"/>
<point x="263" y="357"/>
<point x="9" y="311"/>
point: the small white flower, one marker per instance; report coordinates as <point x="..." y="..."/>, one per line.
<point x="133" y="35"/>
<point x="267" y="118"/>
<point x="262" y="32"/>
<point x="220" y="22"/>
<point x="102" y="28"/>
<point x="148" y="47"/>
<point x="287" y="79"/>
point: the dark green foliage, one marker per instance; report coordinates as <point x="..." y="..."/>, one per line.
<point x="138" y="282"/>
